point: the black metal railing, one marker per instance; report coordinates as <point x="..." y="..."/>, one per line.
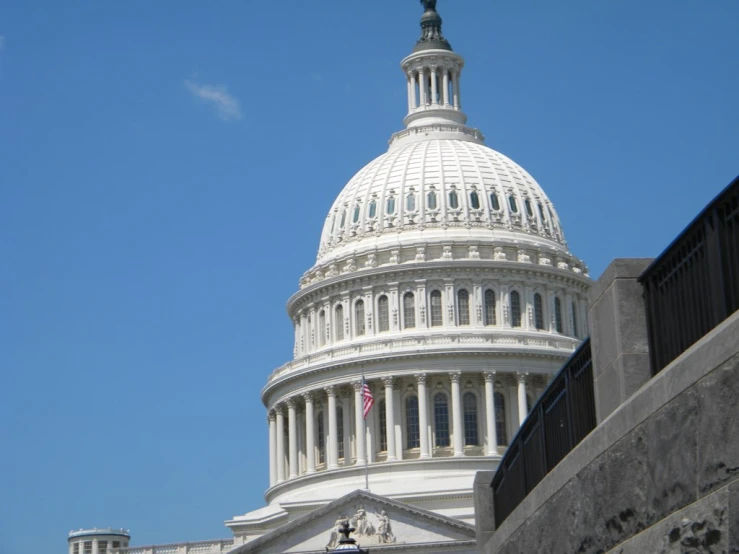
<point x="694" y="284"/>
<point x="561" y="418"/>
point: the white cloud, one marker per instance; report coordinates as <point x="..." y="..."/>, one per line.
<point x="227" y="106"/>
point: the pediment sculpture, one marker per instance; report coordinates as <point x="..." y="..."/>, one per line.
<point x="369" y="528"/>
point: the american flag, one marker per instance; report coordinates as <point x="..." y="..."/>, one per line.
<point x="366" y="398"/>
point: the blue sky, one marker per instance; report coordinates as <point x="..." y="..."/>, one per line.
<point x="165" y="169"/>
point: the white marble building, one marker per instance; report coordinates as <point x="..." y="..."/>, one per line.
<point x="443" y="277"/>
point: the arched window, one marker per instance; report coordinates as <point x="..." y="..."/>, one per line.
<point x="558" y="315"/>
<point x="431" y="200"/>
<point x="529" y="209"/>
<point x="373" y="209"/>
<point x="409" y="310"/>
<point x="436" y="317"/>
<point x="538" y="311"/>
<point x="490" y="307"/>
<point x="340" y="429"/>
<point x="494" y="202"/>
<point x="541" y="213"/>
<point x="343" y="219"/>
<point x="410" y="202"/>
<point x="513" y="204"/>
<point x="333" y="224"/>
<point x="515" y="309"/>
<point x="469" y="404"/>
<point x="441" y="419"/>
<point x="355" y="217"/>
<point x="383" y="316"/>
<point x="412" y="434"/>
<point x="463" y="307"/>
<point x="359" y="317"/>
<point x="321" y="328"/>
<point x="500" y="425"/>
<point x="390" y="208"/>
<point x="453" y="200"/>
<point x="474" y="200"/>
<point x="321" y="439"/>
<point x="339" y="325"/>
<point x="574" y="319"/>
<point x="383" y="425"/>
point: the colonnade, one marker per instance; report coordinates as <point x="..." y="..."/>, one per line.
<point x="434" y="85"/>
<point x="318" y="430"/>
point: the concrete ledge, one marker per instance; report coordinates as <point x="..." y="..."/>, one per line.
<point x="700" y="360"/>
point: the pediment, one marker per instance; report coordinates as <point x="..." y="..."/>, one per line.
<point x="378" y="521"/>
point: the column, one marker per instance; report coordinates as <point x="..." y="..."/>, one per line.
<point x="359" y="422"/>
<point x="280" y="422"/>
<point x="522" y="408"/>
<point x="389" y="418"/>
<point x="272" y="448"/>
<point x="492" y="435"/>
<point x="421" y="88"/>
<point x="457" y="414"/>
<point x="413" y="100"/>
<point x="445" y="84"/>
<point x="455" y="86"/>
<point x="333" y="430"/>
<point x="397" y="417"/>
<point x="292" y="438"/>
<point x="346" y="406"/>
<point x="423" y="420"/>
<point x="434" y="86"/>
<point x="370" y="433"/>
<point x="95" y="546"/>
<point x="410" y="95"/>
<point x="310" y="434"/>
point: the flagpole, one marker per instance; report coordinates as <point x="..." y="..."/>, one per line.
<point x="366" y="454"/>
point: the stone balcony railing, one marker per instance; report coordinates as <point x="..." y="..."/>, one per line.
<point x="204" y="547"/>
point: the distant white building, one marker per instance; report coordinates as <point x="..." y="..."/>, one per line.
<point x="97" y="541"/>
<point x="443" y="277"/>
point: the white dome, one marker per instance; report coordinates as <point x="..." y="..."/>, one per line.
<point x="438" y="189"/>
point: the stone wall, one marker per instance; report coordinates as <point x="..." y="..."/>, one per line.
<point x="659" y="475"/>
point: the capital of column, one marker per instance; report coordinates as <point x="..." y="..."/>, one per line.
<point x="357" y="386"/>
<point x="488" y="376"/>
<point x="278" y="410"/>
<point x="421" y="378"/>
<point x="271" y="416"/>
<point x="330" y="391"/>
<point x="387" y="381"/>
<point x="308" y="396"/>
<point x="522" y="376"/>
<point x="290" y="403"/>
<point x="455" y="376"/>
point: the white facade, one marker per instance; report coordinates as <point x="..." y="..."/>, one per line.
<point x="444" y="279"/>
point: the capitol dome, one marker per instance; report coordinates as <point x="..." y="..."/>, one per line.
<point x="437" y="189"/>
<point x="444" y="290"/>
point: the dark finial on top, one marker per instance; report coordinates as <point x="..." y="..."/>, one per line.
<point x="431" y="37"/>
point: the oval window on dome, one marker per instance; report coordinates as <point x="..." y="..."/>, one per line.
<point x="453" y="200"/>
<point x="529" y="209"/>
<point x="513" y="204"/>
<point x="390" y="208"/>
<point x="431" y="200"/>
<point x="494" y="202"/>
<point x="355" y="217"/>
<point x="373" y="209"/>
<point x="333" y="223"/>
<point x="475" y="200"/>
<point x="343" y="219"/>
<point x="410" y="202"/>
<point x="541" y="213"/>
